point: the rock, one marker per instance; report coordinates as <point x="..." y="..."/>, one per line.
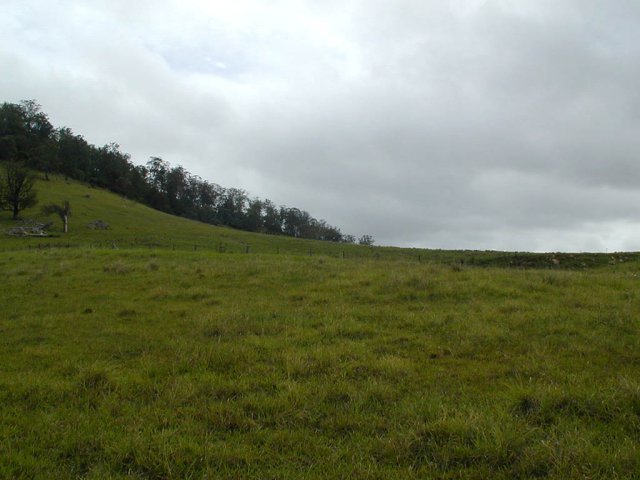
<point x="30" y="228"/>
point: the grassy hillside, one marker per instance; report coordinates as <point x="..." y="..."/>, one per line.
<point x="135" y="226"/>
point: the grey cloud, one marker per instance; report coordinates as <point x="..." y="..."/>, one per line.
<point x="479" y="124"/>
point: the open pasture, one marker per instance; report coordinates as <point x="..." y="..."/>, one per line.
<point x="140" y="363"/>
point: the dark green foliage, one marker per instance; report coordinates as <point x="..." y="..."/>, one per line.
<point x="366" y="240"/>
<point x="17" y="189"/>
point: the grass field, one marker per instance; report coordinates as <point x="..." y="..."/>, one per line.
<point x="149" y="362"/>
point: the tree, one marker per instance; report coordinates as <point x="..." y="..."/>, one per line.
<point x="74" y="154"/>
<point x="292" y="221"/>
<point x="39" y="146"/>
<point x="366" y="240"/>
<point x="253" y="216"/>
<point x="16" y="189"/>
<point x="271" y="219"/>
<point x="156" y="177"/>
<point x="176" y="182"/>
<point x="13" y="132"/>
<point x="348" y="239"/>
<point x="63" y="211"/>
<point x="112" y="168"/>
<point x="232" y="207"/>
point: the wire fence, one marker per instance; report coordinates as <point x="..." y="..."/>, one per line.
<point x="454" y="258"/>
<point x="370" y="253"/>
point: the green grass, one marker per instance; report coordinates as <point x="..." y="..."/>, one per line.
<point x="137" y="364"/>
<point x="145" y="362"/>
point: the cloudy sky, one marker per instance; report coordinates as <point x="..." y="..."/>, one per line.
<point x="488" y="124"/>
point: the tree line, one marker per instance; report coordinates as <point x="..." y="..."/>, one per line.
<point x="28" y="138"/>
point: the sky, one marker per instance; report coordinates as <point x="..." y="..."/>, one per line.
<point x="476" y="124"/>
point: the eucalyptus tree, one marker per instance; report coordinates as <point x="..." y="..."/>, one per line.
<point x="17" y="190"/>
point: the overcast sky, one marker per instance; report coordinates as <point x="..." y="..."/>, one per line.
<point x="497" y="124"/>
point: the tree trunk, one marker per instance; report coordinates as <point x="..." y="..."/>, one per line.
<point x="16" y="210"/>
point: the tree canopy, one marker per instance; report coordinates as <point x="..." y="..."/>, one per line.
<point x="17" y="189"/>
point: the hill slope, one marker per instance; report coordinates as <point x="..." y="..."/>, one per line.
<point x="133" y="225"/>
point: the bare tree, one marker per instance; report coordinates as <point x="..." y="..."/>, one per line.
<point x="63" y="211"/>
<point x="16" y="189"/>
